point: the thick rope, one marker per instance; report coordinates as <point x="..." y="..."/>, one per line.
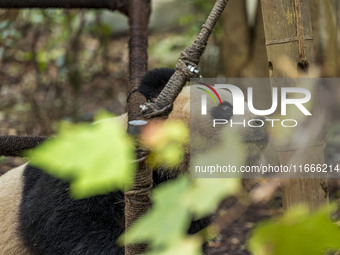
<point x="14" y="146"/>
<point x="189" y="57"/>
<point x="303" y="62"/>
<point x="139" y="194"/>
<point x="137" y="200"/>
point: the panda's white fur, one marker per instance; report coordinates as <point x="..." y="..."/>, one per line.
<point x="10" y="196"/>
<point x="11" y="183"/>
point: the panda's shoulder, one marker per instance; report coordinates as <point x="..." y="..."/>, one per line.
<point x="48" y="216"/>
<point x="40" y="187"/>
<point x="41" y="190"/>
<point x="30" y="176"/>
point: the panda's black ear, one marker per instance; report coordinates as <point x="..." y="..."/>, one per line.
<point x="154" y="81"/>
<point x="224" y="111"/>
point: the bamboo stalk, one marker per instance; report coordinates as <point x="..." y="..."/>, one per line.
<point x="288" y="31"/>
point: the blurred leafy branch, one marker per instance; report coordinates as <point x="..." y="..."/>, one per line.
<point x="71" y="157"/>
<point x="111" y="166"/>
<point x="298" y="232"/>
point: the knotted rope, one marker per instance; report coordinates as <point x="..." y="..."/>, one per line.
<point x="303" y="62"/>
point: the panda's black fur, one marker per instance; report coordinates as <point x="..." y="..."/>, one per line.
<point x="154" y="81"/>
<point x="51" y="223"/>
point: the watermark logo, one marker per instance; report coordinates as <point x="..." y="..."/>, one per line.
<point x="239" y="99"/>
<point x="204" y="97"/>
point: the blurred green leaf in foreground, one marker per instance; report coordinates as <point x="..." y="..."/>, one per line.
<point x="166" y="141"/>
<point x="95" y="159"/>
<point x="175" y="204"/>
<point x="299" y="232"/>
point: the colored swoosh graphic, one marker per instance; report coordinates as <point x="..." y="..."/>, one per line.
<point x="213" y="90"/>
<point x="209" y="94"/>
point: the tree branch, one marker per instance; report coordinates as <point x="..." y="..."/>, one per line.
<point x="121" y="5"/>
<point x="186" y="66"/>
<point x="13" y="146"/>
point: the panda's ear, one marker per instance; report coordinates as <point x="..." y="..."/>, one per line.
<point x="154" y="81"/>
<point x="224" y="111"/>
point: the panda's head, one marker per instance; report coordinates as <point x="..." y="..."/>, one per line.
<point x="255" y="139"/>
<point x="187" y="108"/>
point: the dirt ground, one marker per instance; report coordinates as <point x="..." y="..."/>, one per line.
<point x="233" y="239"/>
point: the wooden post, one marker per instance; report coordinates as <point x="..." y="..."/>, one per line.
<point x="288" y="32"/>
<point x="137" y="199"/>
<point x="312" y="191"/>
<point x="281" y="34"/>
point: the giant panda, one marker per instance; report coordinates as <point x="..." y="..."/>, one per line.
<point x="39" y="217"/>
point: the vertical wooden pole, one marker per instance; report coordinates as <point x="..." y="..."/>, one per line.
<point x="139" y="11"/>
<point x="137" y="199"/>
<point x="281" y="34"/>
<point x="285" y="24"/>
